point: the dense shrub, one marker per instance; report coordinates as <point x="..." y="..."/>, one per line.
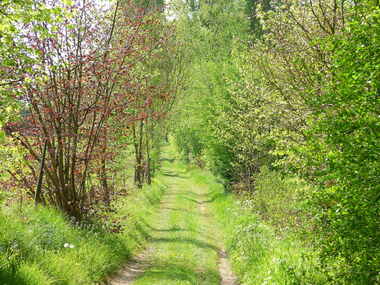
<point x="302" y="98"/>
<point x="343" y="149"/>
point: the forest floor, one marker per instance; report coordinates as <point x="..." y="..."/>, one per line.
<point x="185" y="244"/>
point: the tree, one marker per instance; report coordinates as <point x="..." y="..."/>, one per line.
<point x="82" y="79"/>
<point x="15" y="56"/>
<point x="342" y="147"/>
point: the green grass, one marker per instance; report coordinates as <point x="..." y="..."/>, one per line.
<point x="182" y="248"/>
<point x="32" y="242"/>
<point x="182" y="220"/>
<point x="259" y="255"/>
<point x="183" y="240"/>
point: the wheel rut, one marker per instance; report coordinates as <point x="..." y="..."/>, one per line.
<point x="185" y="246"/>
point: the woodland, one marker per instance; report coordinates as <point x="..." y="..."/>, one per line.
<point x="200" y="141"/>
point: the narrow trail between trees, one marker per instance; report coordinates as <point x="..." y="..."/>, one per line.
<point x="185" y="245"/>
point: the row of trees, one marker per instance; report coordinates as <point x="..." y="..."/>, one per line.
<point x="82" y="81"/>
<point x="294" y="87"/>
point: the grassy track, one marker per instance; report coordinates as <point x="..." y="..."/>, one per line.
<point x="184" y="244"/>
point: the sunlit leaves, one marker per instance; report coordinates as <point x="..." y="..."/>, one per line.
<point x="348" y="130"/>
<point x="303" y="98"/>
<point x="15" y="16"/>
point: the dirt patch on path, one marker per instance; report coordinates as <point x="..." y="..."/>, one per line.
<point x="225" y="270"/>
<point x="133" y="269"/>
<point x="228" y="277"/>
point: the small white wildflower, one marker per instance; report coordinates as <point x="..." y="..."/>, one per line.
<point x="66" y="245"/>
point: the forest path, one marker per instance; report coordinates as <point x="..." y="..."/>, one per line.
<point x="185" y="246"/>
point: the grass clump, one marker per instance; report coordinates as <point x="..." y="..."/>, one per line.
<point x="41" y="246"/>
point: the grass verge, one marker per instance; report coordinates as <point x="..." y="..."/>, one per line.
<point x="258" y="253"/>
<point x="41" y="247"/>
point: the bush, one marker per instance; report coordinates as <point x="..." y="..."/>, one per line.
<point x="281" y="201"/>
<point x="343" y="151"/>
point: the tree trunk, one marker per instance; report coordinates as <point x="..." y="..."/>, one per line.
<point x="37" y="197"/>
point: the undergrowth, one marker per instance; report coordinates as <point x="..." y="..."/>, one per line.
<point x="261" y="240"/>
<point x="41" y="246"/>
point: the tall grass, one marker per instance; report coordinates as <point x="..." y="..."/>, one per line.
<point x="41" y="246"/>
<point x="262" y="246"/>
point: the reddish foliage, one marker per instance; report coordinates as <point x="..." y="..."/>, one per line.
<point x="84" y="79"/>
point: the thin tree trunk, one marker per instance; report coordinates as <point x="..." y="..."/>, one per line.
<point x="148" y="160"/>
<point x="37" y="197"/>
<point x="103" y="172"/>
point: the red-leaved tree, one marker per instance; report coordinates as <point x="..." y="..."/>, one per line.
<point x="82" y="80"/>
